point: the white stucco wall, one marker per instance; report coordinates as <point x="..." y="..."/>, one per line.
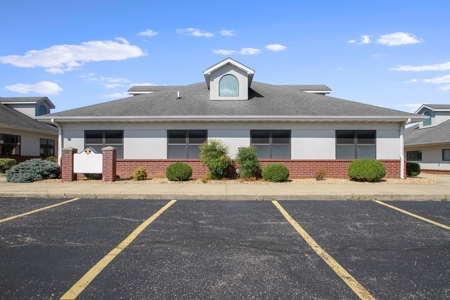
<point x="30" y="141"/>
<point x="26" y="109"/>
<point x="431" y="156"/>
<point x="240" y="75"/>
<point x="308" y="140"/>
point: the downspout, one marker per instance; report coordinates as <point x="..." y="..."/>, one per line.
<point x="59" y="140"/>
<point x="402" y="149"/>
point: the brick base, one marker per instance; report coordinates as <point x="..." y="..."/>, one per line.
<point x="436" y="172"/>
<point x="156" y="168"/>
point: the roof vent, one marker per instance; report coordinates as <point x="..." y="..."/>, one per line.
<point x="178" y="95"/>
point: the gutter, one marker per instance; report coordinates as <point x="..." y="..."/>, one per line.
<point x="402" y="149"/>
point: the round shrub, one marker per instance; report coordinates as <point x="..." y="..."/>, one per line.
<point x="412" y="169"/>
<point x="366" y="170"/>
<point x="275" y="172"/>
<point x="214" y="155"/>
<point x="33" y="170"/>
<point x="248" y="162"/>
<point x="179" y="172"/>
<point x="6" y="164"/>
<point x="140" y="173"/>
<point x="52" y="159"/>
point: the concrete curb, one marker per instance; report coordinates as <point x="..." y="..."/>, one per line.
<point x="352" y="197"/>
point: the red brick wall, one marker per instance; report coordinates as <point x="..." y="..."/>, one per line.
<point x="156" y="168"/>
<point x="109" y="165"/>
<point x="436" y="172"/>
<point x="67" y="165"/>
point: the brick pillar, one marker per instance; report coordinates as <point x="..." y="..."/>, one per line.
<point x="67" y="173"/>
<point x="109" y="164"/>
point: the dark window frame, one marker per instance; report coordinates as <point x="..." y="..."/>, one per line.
<point x="270" y="144"/>
<point x="44" y="144"/>
<point x="186" y="143"/>
<point x="103" y="143"/>
<point x="443" y="154"/>
<point x="355" y="142"/>
<point x="415" y="155"/>
<point x="17" y="144"/>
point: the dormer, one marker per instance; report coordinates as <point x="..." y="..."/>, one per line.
<point x="30" y="106"/>
<point x="436" y="113"/>
<point x="228" y="80"/>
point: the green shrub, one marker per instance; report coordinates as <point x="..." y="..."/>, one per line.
<point x="214" y="155"/>
<point x="366" y="170"/>
<point x="93" y="176"/>
<point x="275" y="172"/>
<point x="140" y="173"/>
<point x="52" y="159"/>
<point x="247" y="160"/>
<point x="6" y="164"/>
<point x="33" y="170"/>
<point x="179" y="172"/>
<point x="412" y="169"/>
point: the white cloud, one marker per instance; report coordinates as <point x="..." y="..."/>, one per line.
<point x="412" y="107"/>
<point x="442" y="79"/>
<point x="117" y="95"/>
<point x="43" y="88"/>
<point x="275" y="47"/>
<point x="224" y="52"/>
<point x="148" y="32"/>
<point x="249" y="51"/>
<point x="445" y="88"/>
<point x="112" y="85"/>
<point x="194" y="32"/>
<point x="227" y="32"/>
<point x="62" y="58"/>
<point x="365" y="39"/>
<point x="377" y="55"/>
<point x="412" y="81"/>
<point x="437" y="67"/>
<point x="108" y="82"/>
<point x="398" y="38"/>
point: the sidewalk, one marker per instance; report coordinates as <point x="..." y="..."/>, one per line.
<point x="270" y="191"/>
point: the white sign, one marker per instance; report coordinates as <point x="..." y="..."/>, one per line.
<point x="88" y="162"/>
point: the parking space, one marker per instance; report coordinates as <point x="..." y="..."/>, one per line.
<point x="224" y="249"/>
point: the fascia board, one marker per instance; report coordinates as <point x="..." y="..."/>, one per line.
<point x="406" y="119"/>
<point x="28" y="129"/>
<point x="428" y="144"/>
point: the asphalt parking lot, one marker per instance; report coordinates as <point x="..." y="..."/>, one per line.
<point x="101" y="249"/>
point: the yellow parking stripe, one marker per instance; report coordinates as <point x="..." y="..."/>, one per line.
<point x="340" y="271"/>
<point x="413" y="215"/>
<point x="78" y="287"/>
<point x="37" y="210"/>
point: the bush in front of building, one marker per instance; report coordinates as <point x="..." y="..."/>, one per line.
<point x="275" y="172"/>
<point x="412" y="169"/>
<point x="179" y="171"/>
<point x="6" y="164"/>
<point x="52" y="159"/>
<point x="33" y="170"/>
<point x="247" y="160"/>
<point x="366" y="170"/>
<point x="214" y="155"/>
<point x="140" y="173"/>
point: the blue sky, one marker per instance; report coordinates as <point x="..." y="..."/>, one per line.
<point x="394" y="54"/>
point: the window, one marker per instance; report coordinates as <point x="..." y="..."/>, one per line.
<point x="271" y="143"/>
<point x="446" y="154"/>
<point x="9" y="144"/>
<point x="42" y="110"/>
<point x="427" y="122"/>
<point x="185" y="143"/>
<point x="228" y="86"/>
<point x="98" y="139"/>
<point x="47" y="147"/>
<point x="414" y="155"/>
<point x="351" y="144"/>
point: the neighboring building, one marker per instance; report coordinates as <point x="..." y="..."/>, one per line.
<point x="21" y="136"/>
<point x="428" y="143"/>
<point x="297" y="125"/>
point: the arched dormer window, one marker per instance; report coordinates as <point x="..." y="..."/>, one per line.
<point x="42" y="110"/>
<point x="427" y="122"/>
<point x="228" y="86"/>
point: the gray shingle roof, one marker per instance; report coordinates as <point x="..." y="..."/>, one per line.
<point x="431" y="135"/>
<point x="309" y="87"/>
<point x="264" y="100"/>
<point x="21" y="99"/>
<point x="438" y="106"/>
<point x="156" y="88"/>
<point x="12" y="117"/>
